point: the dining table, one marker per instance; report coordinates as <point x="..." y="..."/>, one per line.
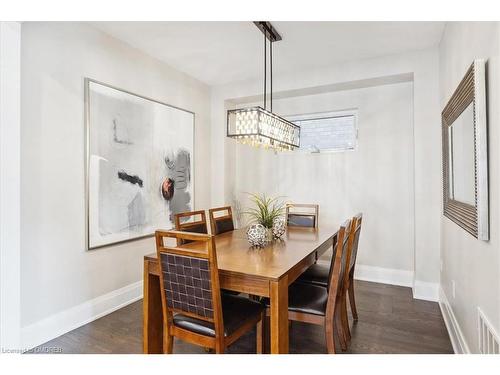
<point x="265" y="272"/>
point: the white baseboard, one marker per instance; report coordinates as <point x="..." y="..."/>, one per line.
<point x="457" y="338"/>
<point x="380" y="275"/>
<point x="383" y="275"/>
<point x="58" y="324"/>
<point x="426" y="291"/>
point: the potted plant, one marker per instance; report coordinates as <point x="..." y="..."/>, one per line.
<point x="266" y="214"/>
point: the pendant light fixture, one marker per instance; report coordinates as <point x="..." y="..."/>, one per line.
<point x="258" y="126"/>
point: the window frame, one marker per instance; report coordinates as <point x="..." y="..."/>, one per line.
<point x="324" y="115"/>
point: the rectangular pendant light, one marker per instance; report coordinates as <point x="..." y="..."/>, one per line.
<point x="259" y="127"/>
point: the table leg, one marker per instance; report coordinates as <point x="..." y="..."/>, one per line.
<point x="152" y="313"/>
<point x="279" y="316"/>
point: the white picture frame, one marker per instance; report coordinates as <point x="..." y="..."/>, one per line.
<point x="139" y="164"/>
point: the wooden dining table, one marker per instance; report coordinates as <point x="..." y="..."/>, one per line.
<point x="265" y="272"/>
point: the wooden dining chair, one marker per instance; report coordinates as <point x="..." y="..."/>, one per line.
<point x="191" y="221"/>
<point x="357" y="221"/>
<point x="315" y="304"/>
<point x="302" y="215"/>
<point x="194" y="310"/>
<point x="221" y="220"/>
<point x="318" y="274"/>
<point x="221" y="224"/>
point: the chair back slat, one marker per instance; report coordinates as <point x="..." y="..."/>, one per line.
<point x="189" y="278"/>
<point x="302" y="215"/>
<point x="221" y="220"/>
<point x="356" y="231"/>
<point x="189" y="222"/>
<point x="339" y="265"/>
<point x="334" y="249"/>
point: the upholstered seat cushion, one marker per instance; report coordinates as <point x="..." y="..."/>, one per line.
<point x="305" y="298"/>
<point x="236" y="310"/>
<point x="317" y="274"/>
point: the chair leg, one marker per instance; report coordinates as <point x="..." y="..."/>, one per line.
<point x="260" y="334"/>
<point x="329" y="336"/>
<point x="344" y="318"/>
<point x="219" y="349"/>
<point x="168" y="342"/>
<point x="352" y="301"/>
<point x="340" y="329"/>
<point x="267" y="335"/>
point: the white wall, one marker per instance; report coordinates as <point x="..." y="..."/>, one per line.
<point x="10" y="177"/>
<point x="376" y="178"/>
<point x="62" y="283"/>
<point x="423" y="65"/>
<point x="473" y="265"/>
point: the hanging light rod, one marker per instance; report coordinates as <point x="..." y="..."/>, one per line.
<point x="258" y="126"/>
<point x="268" y="30"/>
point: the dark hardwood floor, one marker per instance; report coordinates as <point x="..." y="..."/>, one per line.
<point x="390" y="321"/>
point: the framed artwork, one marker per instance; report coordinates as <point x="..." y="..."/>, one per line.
<point x="139" y="163"/>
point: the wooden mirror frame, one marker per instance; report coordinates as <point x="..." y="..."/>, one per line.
<point x="472" y="89"/>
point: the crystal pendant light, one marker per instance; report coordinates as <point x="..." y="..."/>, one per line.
<point x="257" y="126"/>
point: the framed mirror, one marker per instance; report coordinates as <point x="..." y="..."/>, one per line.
<point x="465" y="154"/>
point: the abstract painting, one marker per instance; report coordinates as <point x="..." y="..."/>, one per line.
<point x="139" y="164"/>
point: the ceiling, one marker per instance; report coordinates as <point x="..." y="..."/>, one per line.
<point x="222" y="52"/>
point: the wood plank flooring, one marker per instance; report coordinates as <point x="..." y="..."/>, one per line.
<point x="390" y="321"/>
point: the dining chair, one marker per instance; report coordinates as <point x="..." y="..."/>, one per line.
<point x="194" y="310"/>
<point x="221" y="220"/>
<point x="306" y="216"/>
<point x="191" y="221"/>
<point x="222" y="224"/>
<point x="358" y="219"/>
<point x="315" y="304"/>
<point x="318" y="274"/>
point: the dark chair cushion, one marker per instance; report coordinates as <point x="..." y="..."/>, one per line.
<point x="305" y="298"/>
<point x="317" y="274"/>
<point x="236" y="310"/>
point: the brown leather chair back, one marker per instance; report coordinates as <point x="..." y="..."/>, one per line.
<point x="192" y="221"/>
<point x="221" y="220"/>
<point x="189" y="278"/>
<point x="302" y="215"/>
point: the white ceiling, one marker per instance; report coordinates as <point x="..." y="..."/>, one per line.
<point x="223" y="52"/>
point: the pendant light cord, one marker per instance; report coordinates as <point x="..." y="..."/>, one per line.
<point x="265" y="68"/>
<point x="271" y="63"/>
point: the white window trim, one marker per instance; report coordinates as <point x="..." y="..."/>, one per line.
<point x="318" y="115"/>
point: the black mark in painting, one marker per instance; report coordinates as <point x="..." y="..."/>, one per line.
<point x="134" y="180"/>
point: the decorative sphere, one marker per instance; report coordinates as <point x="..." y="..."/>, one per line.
<point x="278" y="227"/>
<point x="256" y="234"/>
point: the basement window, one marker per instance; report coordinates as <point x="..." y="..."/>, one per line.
<point x="327" y="132"/>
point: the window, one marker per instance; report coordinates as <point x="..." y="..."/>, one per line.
<point x="332" y="131"/>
